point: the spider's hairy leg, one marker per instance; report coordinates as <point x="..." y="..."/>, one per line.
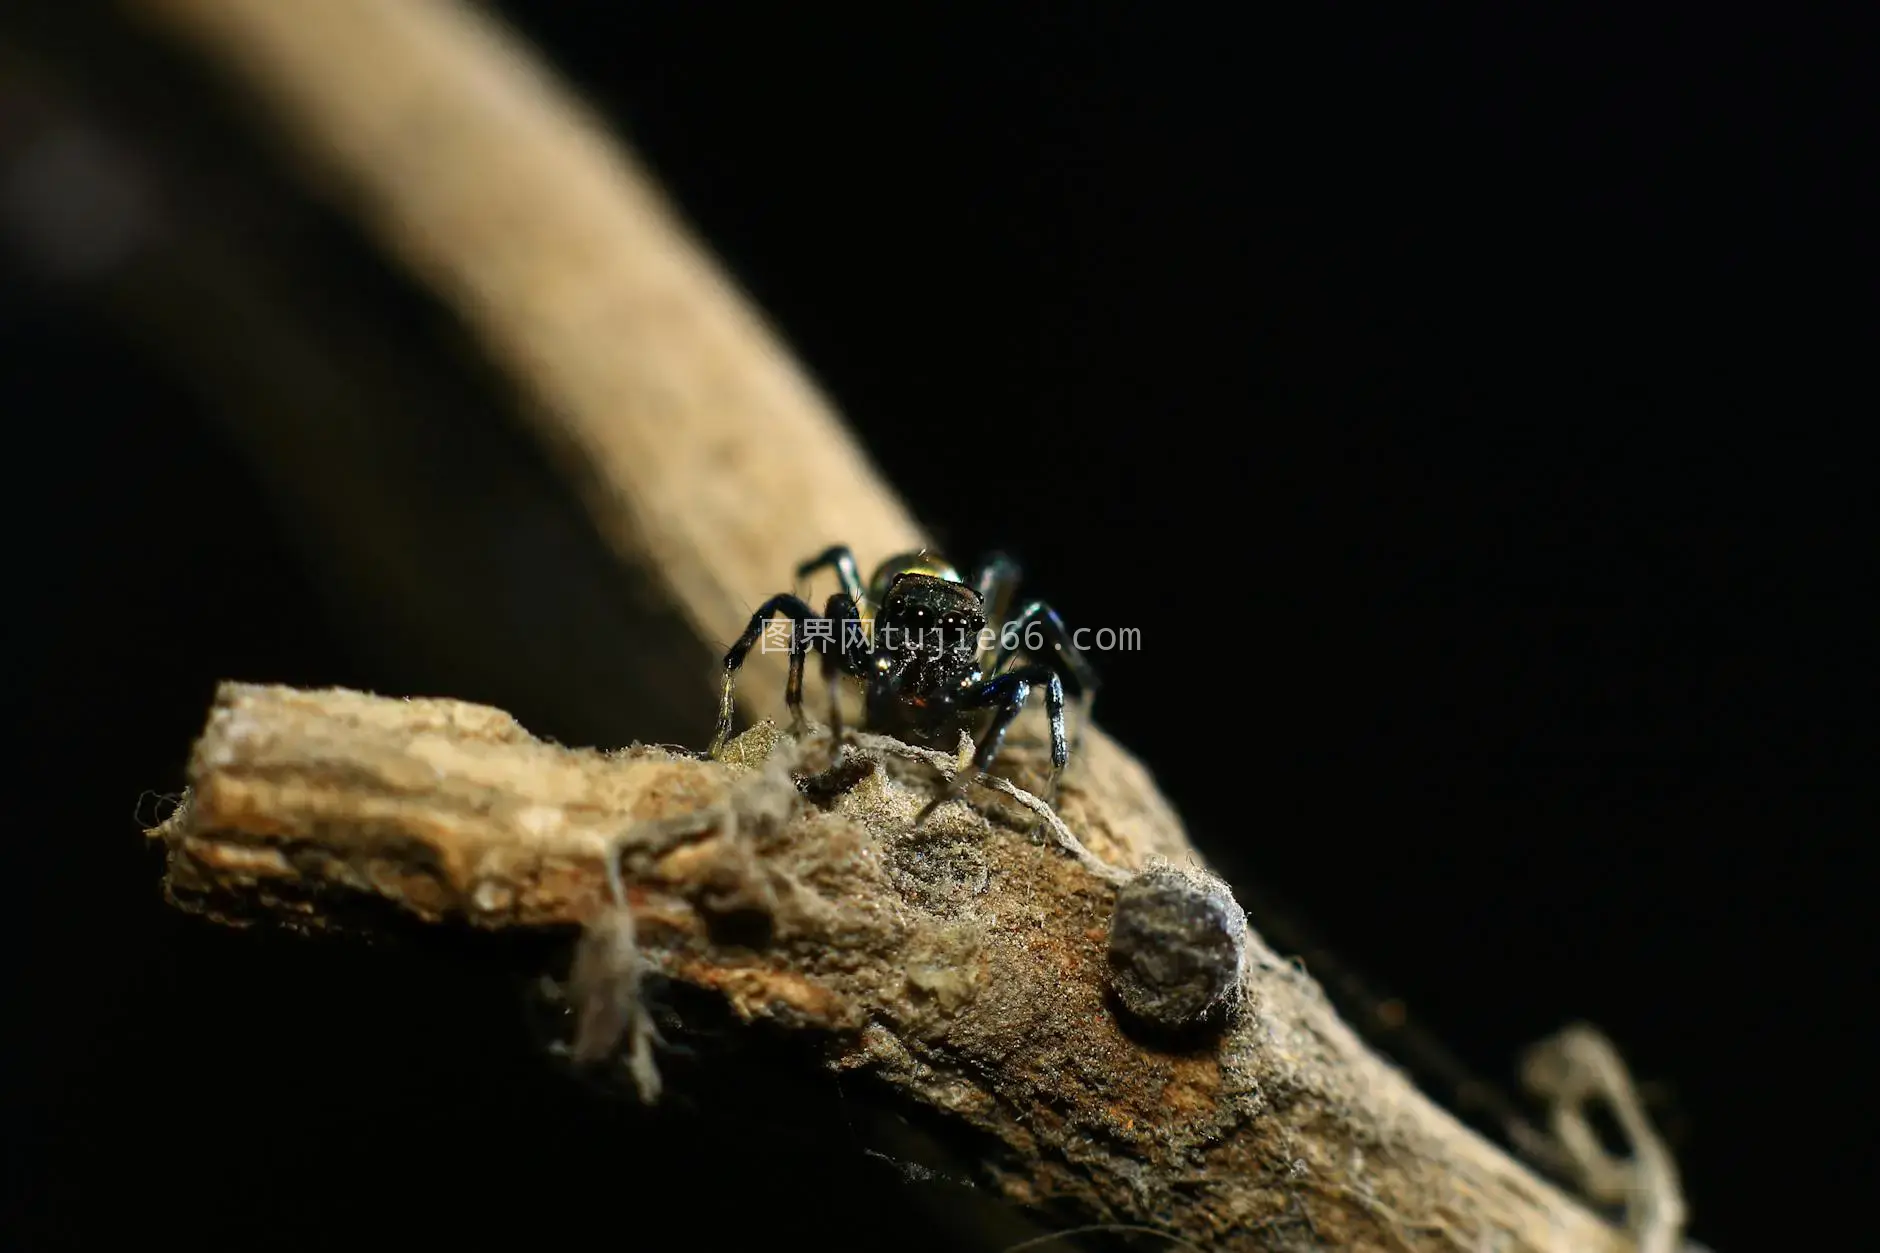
<point x="1006" y="693"/>
<point x="842" y="560"/>
<point x="800" y="616"/>
<point x="1064" y="657"/>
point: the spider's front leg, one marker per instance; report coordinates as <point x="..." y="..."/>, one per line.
<point x="1006" y="693"/>
<point x="800" y="615"/>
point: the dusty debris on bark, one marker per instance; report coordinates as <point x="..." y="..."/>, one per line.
<point x="963" y="962"/>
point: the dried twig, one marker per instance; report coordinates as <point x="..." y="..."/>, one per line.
<point x="961" y="961"/>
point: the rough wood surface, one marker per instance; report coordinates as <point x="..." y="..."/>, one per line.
<point x="961" y="963"/>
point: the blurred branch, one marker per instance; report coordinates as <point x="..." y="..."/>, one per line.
<point x="701" y="450"/>
<point x="449" y="547"/>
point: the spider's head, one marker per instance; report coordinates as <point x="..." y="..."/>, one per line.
<point x="930" y="618"/>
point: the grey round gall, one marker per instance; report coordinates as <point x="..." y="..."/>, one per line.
<point x="1177" y="945"/>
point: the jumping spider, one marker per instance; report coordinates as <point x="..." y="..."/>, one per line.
<point x="924" y="662"/>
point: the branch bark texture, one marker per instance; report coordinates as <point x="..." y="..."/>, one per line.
<point x="963" y="962"/>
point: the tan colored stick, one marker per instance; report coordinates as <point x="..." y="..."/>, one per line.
<point x="963" y="963"/>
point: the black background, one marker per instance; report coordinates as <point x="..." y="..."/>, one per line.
<point x="1470" y="419"/>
